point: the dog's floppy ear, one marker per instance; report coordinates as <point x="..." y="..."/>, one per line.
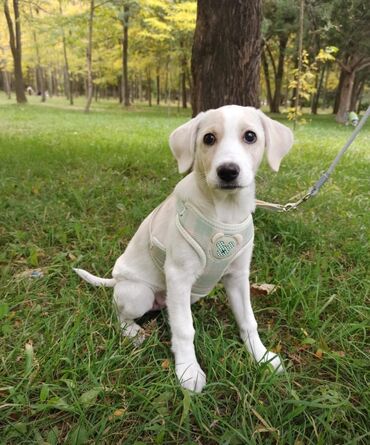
<point x="182" y="143"/>
<point x="279" y="140"/>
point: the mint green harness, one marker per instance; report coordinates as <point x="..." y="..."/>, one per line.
<point x="215" y="243"/>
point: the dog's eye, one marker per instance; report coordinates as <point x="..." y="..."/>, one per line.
<point x="209" y="139"/>
<point x="250" y="137"/>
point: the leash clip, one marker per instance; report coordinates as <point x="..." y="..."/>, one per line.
<point x="294" y="205"/>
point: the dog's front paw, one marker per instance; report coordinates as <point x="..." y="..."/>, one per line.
<point x="191" y="376"/>
<point x="274" y="360"/>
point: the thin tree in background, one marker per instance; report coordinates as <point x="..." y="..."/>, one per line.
<point x="125" y="87"/>
<point x="300" y="47"/>
<point x="4" y="72"/>
<point x="15" y="41"/>
<point x="226" y="54"/>
<point x="69" y="92"/>
<point x="89" y="58"/>
<point x="39" y="71"/>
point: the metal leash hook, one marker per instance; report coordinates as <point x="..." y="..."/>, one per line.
<point x="294" y="205"/>
<point x="314" y="190"/>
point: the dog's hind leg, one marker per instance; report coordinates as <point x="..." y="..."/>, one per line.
<point x="132" y="299"/>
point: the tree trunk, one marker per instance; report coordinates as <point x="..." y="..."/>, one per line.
<point x="357" y="87"/>
<point x="299" y="70"/>
<point x="360" y="95"/>
<point x="149" y="90"/>
<point x="276" y="100"/>
<point x="167" y="86"/>
<point x="324" y="98"/>
<point x="338" y="92"/>
<point x="158" y="87"/>
<point x="89" y="59"/>
<point x="183" y="82"/>
<point x="68" y="80"/>
<point x="353" y="65"/>
<point x="54" y="83"/>
<point x="316" y="96"/>
<point x="266" y="74"/>
<point x="7" y="89"/>
<point x="189" y="79"/>
<point x="120" y="87"/>
<point x="294" y="90"/>
<point x="345" y="97"/>
<point x="140" y="87"/>
<point x="125" y="86"/>
<point x="16" y="48"/>
<point x="39" y="74"/>
<point x="183" y="90"/>
<point x="226" y="54"/>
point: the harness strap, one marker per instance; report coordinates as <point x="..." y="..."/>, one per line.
<point x="216" y="244"/>
<point x="314" y="190"/>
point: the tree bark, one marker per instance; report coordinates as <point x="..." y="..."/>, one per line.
<point x="158" y="87"/>
<point x="356" y="92"/>
<point x="89" y="58"/>
<point x="126" y="92"/>
<point x="266" y="74"/>
<point x="300" y="47"/>
<point x="7" y="89"/>
<point x="149" y="88"/>
<point x="140" y="88"/>
<point x="39" y="74"/>
<point x="360" y="95"/>
<point x="324" y="98"/>
<point x="276" y="100"/>
<point x="15" y="42"/>
<point x="354" y="65"/>
<point x="338" y="92"/>
<point x="67" y="79"/>
<point x="316" y="97"/>
<point x="345" y="97"/>
<point x="183" y="82"/>
<point x="226" y="54"/>
<point x="166" y="86"/>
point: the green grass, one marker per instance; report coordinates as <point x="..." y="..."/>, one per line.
<point x="74" y="188"/>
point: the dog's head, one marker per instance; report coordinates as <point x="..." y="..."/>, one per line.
<point x="226" y="145"/>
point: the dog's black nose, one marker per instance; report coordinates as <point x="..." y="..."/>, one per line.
<point x="228" y="172"/>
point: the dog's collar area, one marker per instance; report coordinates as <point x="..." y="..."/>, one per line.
<point x="191" y="216"/>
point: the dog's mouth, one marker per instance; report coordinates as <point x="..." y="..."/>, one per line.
<point x="229" y="186"/>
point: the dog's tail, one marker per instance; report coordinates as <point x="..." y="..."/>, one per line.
<point x="95" y="281"/>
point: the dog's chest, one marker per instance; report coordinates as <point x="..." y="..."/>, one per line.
<point x="216" y="244"/>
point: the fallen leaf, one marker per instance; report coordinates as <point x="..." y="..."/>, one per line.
<point x="165" y="364"/>
<point x="262" y="289"/>
<point x="117" y="413"/>
<point x="319" y="353"/>
<point x="88" y="398"/>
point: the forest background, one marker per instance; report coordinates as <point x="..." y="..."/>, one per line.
<point x="140" y="50"/>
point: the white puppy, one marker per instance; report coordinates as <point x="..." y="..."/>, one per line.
<point x="201" y="234"/>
